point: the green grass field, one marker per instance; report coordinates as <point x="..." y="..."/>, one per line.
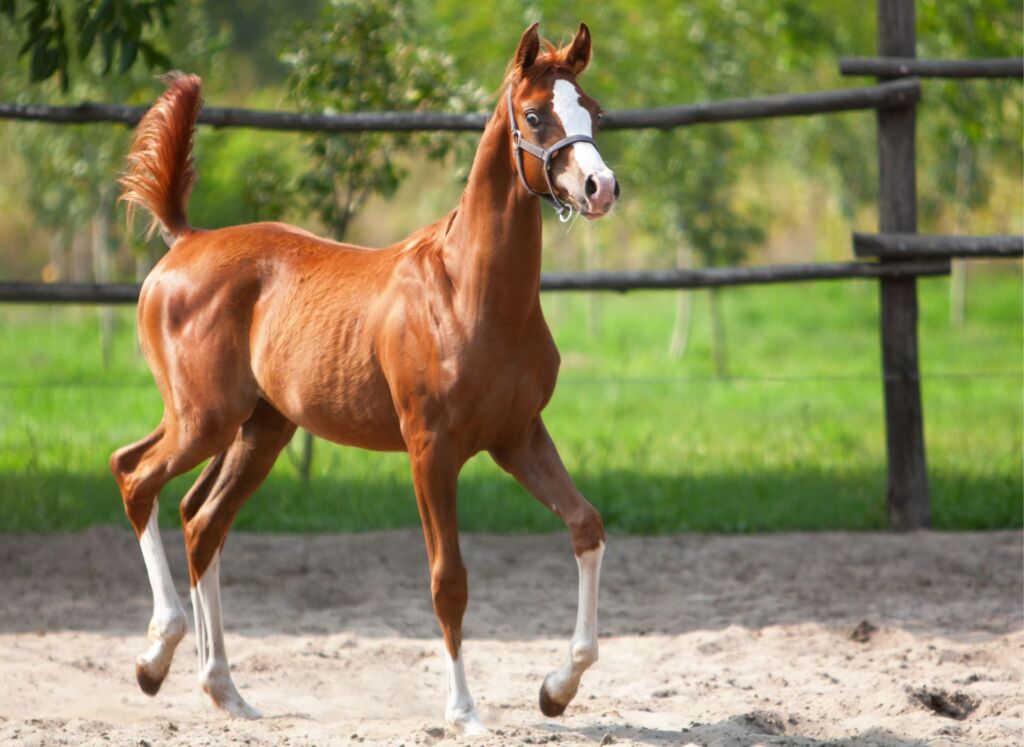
<point x="795" y="440"/>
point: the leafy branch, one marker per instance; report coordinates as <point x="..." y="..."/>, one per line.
<point x="120" y="27"/>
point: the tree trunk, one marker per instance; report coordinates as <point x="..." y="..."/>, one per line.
<point x="103" y="272"/>
<point x="718" y="346"/>
<point x="81" y="256"/>
<point x="57" y="269"/>
<point x="305" y="465"/>
<point x="684" y="309"/>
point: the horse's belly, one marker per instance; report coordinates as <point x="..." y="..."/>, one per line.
<point x="328" y="384"/>
<point x="346" y="408"/>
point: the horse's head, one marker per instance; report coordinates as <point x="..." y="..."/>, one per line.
<point x="552" y="123"/>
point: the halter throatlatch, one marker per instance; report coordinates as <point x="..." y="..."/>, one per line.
<point x="519" y="144"/>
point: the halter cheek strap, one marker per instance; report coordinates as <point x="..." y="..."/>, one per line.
<point x="545" y="156"/>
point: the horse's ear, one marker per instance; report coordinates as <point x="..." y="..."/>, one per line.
<point x="529" y="48"/>
<point x="578" y="56"/>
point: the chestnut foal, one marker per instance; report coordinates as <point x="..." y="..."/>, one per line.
<point x="436" y="346"/>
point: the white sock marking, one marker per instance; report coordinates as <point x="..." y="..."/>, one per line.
<point x="214" y="671"/>
<point x="167" y="626"/>
<point x="460" y="711"/>
<point x="563" y="683"/>
<point x="165" y="597"/>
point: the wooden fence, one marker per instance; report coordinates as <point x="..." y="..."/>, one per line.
<point x="900" y="254"/>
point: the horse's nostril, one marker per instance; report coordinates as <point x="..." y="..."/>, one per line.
<point x="591" y="186"/>
<point x="616" y="192"/>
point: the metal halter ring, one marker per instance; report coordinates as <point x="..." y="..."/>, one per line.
<point x="519" y="144"/>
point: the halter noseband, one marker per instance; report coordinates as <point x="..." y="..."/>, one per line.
<point x="519" y="144"/>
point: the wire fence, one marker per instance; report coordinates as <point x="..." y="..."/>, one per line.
<point x="571" y="379"/>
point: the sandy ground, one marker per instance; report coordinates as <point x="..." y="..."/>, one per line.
<point x="705" y="640"/>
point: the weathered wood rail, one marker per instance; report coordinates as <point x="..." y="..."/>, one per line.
<point x="894" y="93"/>
<point x="885" y="67"/>
<point x="900" y="254"/>
<point x="931" y="246"/>
<point x="713" y="277"/>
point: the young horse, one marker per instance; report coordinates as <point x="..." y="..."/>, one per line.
<point x="436" y="345"/>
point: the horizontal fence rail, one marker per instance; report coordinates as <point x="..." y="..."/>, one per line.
<point x="106" y="293"/>
<point x="1003" y="67"/>
<point x="621" y="281"/>
<point x="717" y="277"/>
<point x="881" y="96"/>
<point x="935" y="246"/>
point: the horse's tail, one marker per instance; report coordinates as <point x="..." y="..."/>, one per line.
<point x="161" y="168"/>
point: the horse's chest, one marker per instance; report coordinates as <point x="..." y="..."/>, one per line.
<point x="499" y="391"/>
<point x="479" y="382"/>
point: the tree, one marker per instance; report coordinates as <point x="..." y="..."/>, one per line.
<point x="968" y="129"/>
<point x="72" y="191"/>
<point x="122" y="27"/>
<point x="366" y="55"/>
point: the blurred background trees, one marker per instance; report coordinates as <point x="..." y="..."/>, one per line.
<point x="780" y="190"/>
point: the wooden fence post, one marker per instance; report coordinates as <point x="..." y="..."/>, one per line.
<point x="907" y="484"/>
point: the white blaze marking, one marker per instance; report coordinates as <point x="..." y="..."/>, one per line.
<point x="563" y="683"/>
<point x="460" y="711"/>
<point x="576" y="121"/>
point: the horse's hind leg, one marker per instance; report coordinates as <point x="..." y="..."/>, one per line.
<point x="534" y="461"/>
<point x="141" y="470"/>
<point x="207" y="517"/>
<point x="167" y="626"/>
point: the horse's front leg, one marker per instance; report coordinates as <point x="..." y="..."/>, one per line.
<point x="435" y="470"/>
<point x="534" y="461"/>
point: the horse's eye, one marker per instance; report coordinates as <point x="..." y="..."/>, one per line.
<point x="532" y="119"/>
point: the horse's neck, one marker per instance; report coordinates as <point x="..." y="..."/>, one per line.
<point x="493" y="250"/>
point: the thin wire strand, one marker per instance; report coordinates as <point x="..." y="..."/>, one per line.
<point x="603" y="380"/>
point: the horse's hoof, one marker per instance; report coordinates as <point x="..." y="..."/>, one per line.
<point x="547" y="705"/>
<point x="466" y="721"/>
<point x="147" y="682"/>
<point x="239" y="709"/>
<point x="152" y="666"/>
<point x="217" y="683"/>
<point x="233" y="705"/>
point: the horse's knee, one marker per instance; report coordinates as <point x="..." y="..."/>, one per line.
<point x="586" y="528"/>
<point x="449" y="588"/>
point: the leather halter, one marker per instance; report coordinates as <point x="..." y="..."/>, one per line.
<point x="519" y="144"/>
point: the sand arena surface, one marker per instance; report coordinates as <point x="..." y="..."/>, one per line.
<point x="709" y="640"/>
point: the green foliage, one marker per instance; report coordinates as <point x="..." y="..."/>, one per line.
<point x="968" y="129"/>
<point x="245" y="176"/>
<point x="664" y="52"/>
<point x="120" y="26"/>
<point x="367" y="55"/>
<point x="74" y="169"/>
<point x="258" y="30"/>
